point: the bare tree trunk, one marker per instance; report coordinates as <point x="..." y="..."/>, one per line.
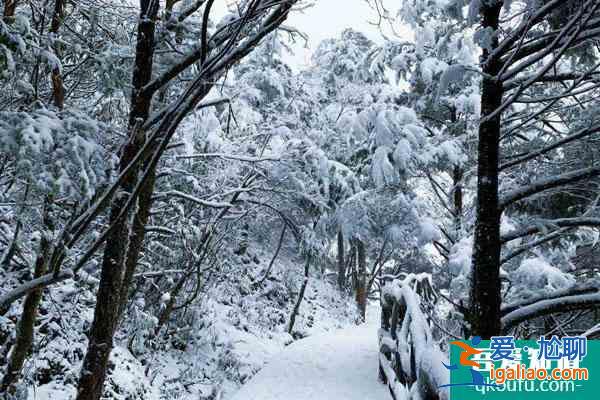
<point x="279" y="245"/>
<point x="457" y="177"/>
<point x="10" y="6"/>
<point x="106" y="314"/>
<point x="58" y="90"/>
<point x="300" y="296"/>
<point x="165" y="314"/>
<point x="484" y="313"/>
<point x="361" y="281"/>
<point x="144" y="202"/>
<point x="457" y="188"/>
<point x="352" y="265"/>
<point x="341" y="277"/>
<point x="136" y="241"/>
<point x="26" y="325"/>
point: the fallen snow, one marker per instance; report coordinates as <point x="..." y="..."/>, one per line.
<point x="342" y="365"/>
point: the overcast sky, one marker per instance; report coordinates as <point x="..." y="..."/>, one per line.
<point x="327" y="19"/>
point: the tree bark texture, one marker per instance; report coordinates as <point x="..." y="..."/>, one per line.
<point x="26" y="325"/>
<point x="300" y="296"/>
<point x="58" y="89"/>
<point x="341" y="275"/>
<point x="10" y="6"/>
<point x="361" y="281"/>
<point x="484" y="313"/>
<point x="108" y="302"/>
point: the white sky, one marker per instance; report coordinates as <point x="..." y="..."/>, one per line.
<point x="327" y="19"/>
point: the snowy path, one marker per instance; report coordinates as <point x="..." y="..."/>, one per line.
<point x="341" y="365"/>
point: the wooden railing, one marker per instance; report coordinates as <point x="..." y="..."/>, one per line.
<point x="410" y="360"/>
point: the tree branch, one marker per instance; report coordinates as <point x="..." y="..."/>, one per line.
<point x="548" y="183"/>
<point x="558" y="223"/>
<point x="550" y="306"/>
<point x="579" y="135"/>
<point x="34" y="284"/>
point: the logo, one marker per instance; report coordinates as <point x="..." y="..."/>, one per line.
<point x="548" y="368"/>
<point x="465" y="354"/>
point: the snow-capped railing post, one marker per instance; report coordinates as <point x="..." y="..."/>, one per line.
<point x="386" y="313"/>
<point x="410" y="361"/>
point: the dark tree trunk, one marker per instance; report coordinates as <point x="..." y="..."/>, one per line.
<point x="341" y="276"/>
<point x="145" y="201"/>
<point x="300" y="296"/>
<point x="484" y="313"/>
<point x="457" y="188"/>
<point x="457" y="177"/>
<point x="136" y="240"/>
<point x="26" y="325"/>
<point x="352" y="261"/>
<point x="58" y="90"/>
<point x="10" y="6"/>
<point x="166" y="312"/>
<point x="106" y="314"/>
<point x="361" y="278"/>
<point x="270" y="267"/>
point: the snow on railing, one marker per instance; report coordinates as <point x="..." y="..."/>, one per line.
<point x="410" y="360"/>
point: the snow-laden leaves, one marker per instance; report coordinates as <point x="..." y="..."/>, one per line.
<point x="56" y="153"/>
<point x="536" y="274"/>
<point x="388" y="214"/>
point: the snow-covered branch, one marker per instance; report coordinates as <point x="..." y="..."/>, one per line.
<point x="528" y="22"/>
<point x="34" y="284"/>
<point x="533" y="244"/>
<point x="551" y="306"/>
<point x="151" y="274"/>
<point x="228" y="157"/>
<point x="576" y="136"/>
<point x="576" y="22"/>
<point x="568" y="76"/>
<point x="160" y="229"/>
<point x="542" y="226"/>
<point x="179" y="17"/>
<point x="548" y="183"/>
<point x="593" y="333"/>
<point x="222" y="37"/>
<point x="190" y="198"/>
<point x="568" y="292"/>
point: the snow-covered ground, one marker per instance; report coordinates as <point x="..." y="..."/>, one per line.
<point x="341" y="365"/>
<point x="230" y="335"/>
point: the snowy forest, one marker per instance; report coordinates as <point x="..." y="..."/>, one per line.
<point x="186" y="210"/>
